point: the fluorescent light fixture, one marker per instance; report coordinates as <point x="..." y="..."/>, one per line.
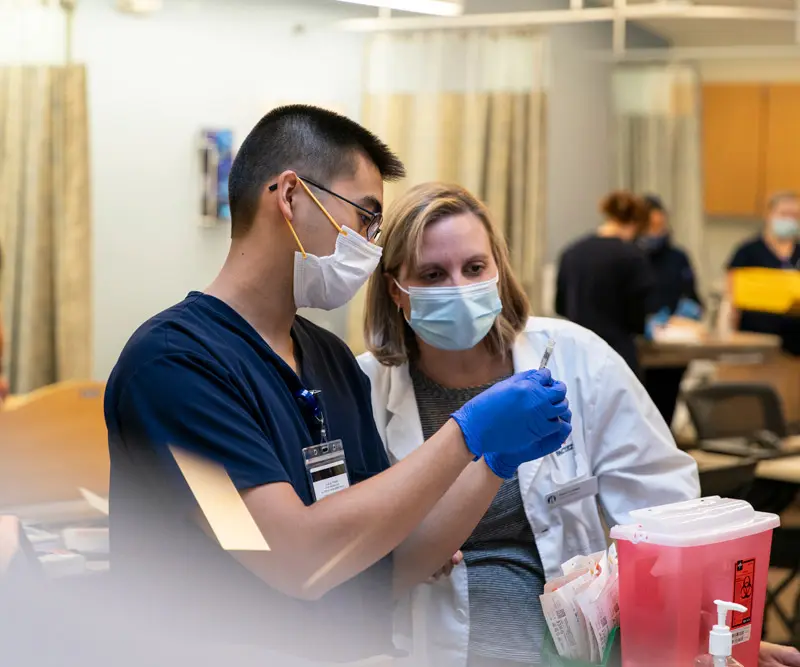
<point x="435" y="7"/>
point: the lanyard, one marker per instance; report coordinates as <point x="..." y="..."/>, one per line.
<point x="310" y="404"/>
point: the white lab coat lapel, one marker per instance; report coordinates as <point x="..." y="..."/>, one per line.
<point x="526" y="358"/>
<point x="404" y="428"/>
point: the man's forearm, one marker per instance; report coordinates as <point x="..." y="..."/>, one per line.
<point x="315" y="549"/>
<point x="447" y="527"/>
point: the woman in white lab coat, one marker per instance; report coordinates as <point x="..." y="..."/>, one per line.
<point x="445" y="319"/>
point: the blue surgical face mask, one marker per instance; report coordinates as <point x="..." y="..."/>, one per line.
<point x="454" y="318"/>
<point x="653" y="243"/>
<point x="785" y="228"/>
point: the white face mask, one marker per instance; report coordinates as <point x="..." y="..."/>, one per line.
<point x="330" y="282"/>
<point x="454" y="318"/>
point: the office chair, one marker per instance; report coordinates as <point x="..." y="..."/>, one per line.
<point x="785" y="555"/>
<point x="751" y="411"/>
<point x="735" y="410"/>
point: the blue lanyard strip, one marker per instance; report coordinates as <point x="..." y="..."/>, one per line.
<point x="308" y="399"/>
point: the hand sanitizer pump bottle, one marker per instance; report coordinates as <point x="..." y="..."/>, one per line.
<point x="720" y="640"/>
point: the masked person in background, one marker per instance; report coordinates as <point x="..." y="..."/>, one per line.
<point x="674" y="292"/>
<point x="775" y="248"/>
<point x="604" y="279"/>
<point x="233" y="375"/>
<point x="446" y="321"/>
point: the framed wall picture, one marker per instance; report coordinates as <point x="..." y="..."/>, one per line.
<point x="216" y="158"/>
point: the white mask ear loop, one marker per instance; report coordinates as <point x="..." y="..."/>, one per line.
<point x="297" y="240"/>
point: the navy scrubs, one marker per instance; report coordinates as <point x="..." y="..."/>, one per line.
<point x="757" y="253"/>
<point x="198" y="376"/>
<point x="674" y="280"/>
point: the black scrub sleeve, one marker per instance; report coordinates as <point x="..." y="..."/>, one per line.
<point x="639" y="282"/>
<point x="688" y="283"/>
<point x="561" y="291"/>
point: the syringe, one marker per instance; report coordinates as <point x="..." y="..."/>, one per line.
<point x="548" y="351"/>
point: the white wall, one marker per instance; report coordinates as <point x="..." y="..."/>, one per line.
<point x="154" y="82"/>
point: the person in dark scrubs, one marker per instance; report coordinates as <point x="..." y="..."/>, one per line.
<point x="604" y="279"/>
<point x="674" y="287"/>
<point x="775" y="248"/>
<point x="233" y="375"/>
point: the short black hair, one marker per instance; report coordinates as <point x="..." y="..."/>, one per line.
<point x="315" y="142"/>
<point x="654" y="203"/>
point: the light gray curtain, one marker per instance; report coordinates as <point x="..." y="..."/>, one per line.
<point x="658" y="146"/>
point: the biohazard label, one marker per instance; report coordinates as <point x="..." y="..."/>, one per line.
<point x="743" y="585"/>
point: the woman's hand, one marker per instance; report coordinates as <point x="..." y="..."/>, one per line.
<point x="447" y="568"/>
<point x="772" y="655"/>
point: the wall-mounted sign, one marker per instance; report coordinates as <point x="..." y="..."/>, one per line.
<point x="216" y="160"/>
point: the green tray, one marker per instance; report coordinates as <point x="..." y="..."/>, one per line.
<point x="550" y="657"/>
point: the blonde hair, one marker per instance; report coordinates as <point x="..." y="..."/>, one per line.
<point x="387" y="334"/>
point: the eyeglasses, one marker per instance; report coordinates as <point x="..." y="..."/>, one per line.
<point x="375" y="219"/>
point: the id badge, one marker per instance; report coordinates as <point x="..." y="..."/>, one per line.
<point x="569" y="493"/>
<point x="326" y="469"/>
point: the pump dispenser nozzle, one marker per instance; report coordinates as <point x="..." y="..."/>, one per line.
<point x="720" y="642"/>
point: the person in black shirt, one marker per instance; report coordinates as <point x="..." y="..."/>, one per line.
<point x="775" y="248"/>
<point x="674" y="282"/>
<point x="604" y="280"/>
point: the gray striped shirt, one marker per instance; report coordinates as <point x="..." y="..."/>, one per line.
<point x="505" y="572"/>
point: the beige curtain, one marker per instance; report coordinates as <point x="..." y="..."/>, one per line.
<point x="657" y="122"/>
<point x="466" y="107"/>
<point x="45" y="224"/>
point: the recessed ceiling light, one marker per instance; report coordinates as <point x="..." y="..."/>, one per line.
<point x="435" y="7"/>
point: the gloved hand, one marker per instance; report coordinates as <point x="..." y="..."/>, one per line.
<point x="505" y="465"/>
<point x="520" y="413"/>
<point x="689" y="309"/>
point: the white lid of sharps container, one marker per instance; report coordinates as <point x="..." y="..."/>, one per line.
<point x="694" y="523"/>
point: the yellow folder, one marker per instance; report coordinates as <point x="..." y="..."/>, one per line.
<point x="767" y="290"/>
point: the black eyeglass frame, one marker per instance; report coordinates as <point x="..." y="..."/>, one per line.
<point x="376" y="218"/>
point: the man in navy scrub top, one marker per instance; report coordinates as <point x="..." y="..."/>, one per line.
<point x="234" y="375"/>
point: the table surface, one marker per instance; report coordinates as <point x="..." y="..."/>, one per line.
<point x="740" y="447"/>
<point x="780" y="470"/>
<point x="710" y="346"/>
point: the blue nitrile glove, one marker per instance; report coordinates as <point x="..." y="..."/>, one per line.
<point x="689" y="308"/>
<point x="657" y="320"/>
<point x="505" y="465"/>
<point x="520" y="413"/>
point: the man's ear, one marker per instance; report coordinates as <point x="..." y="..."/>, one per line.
<point x="287" y="185"/>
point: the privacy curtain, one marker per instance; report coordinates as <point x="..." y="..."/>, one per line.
<point x="45" y="224"/>
<point x="658" y="151"/>
<point x="466" y="107"/>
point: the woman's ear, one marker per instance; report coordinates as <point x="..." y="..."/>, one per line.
<point x="395" y="292"/>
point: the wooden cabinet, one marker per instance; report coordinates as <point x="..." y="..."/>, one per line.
<point x="751" y="145"/>
<point x="782" y="151"/>
<point x="733" y="148"/>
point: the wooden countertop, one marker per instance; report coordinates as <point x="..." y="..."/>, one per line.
<point x="709" y="346"/>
